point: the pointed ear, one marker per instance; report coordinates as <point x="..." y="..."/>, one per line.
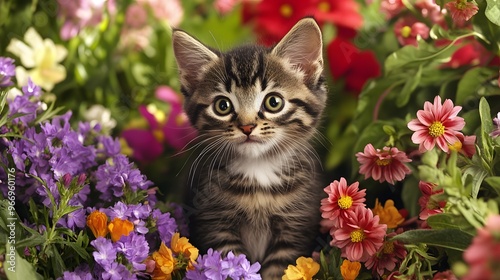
<point x="192" y="58"/>
<point x="303" y="47"/>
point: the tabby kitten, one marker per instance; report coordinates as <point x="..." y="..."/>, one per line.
<point x="256" y="189"/>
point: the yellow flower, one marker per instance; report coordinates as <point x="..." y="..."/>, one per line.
<point x="182" y="247"/>
<point x="164" y="263"/>
<point x="350" y="270"/>
<point x="98" y="223"/>
<point x="305" y="269"/>
<point x="388" y="214"/>
<point x="42" y="57"/>
<point x="118" y="228"/>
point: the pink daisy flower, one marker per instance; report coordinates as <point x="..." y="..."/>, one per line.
<point x="465" y="145"/>
<point x="461" y="10"/>
<point x="408" y="28"/>
<point x="428" y="204"/>
<point x="388" y="256"/>
<point x="436" y="124"/>
<point x="383" y="165"/>
<point x="341" y="200"/>
<point x="483" y="255"/>
<point x="361" y="235"/>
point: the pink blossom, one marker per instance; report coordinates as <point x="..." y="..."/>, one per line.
<point x="341" y="200"/>
<point x="391" y="8"/>
<point x="78" y="14"/>
<point x="465" y="145"/>
<point x="436" y="124"/>
<point x="445" y="275"/>
<point x="136" y="16"/>
<point x="361" y="236"/>
<point x="461" y="10"/>
<point x="429" y="205"/>
<point x="408" y="28"/>
<point x="383" y="165"/>
<point x="483" y="255"/>
<point x="432" y="11"/>
<point x="166" y="10"/>
<point x="225" y="6"/>
<point x="388" y="256"/>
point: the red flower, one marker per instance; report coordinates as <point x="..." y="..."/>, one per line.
<point x="391" y="8"/>
<point x="274" y="18"/>
<point x="483" y="255"/>
<point x="436" y="124"/>
<point x="461" y="11"/>
<point x="388" y="256"/>
<point x="383" y="165"/>
<point x="361" y="236"/>
<point x="408" y="28"/>
<point x="341" y="199"/>
<point x="429" y="205"/>
<point x="471" y="54"/>
<point x="356" y="66"/>
<point x="343" y="14"/>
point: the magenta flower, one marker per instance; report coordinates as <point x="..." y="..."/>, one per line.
<point x="429" y="205"/>
<point x="483" y="255"/>
<point x="383" y="165"/>
<point x="496" y="122"/>
<point x="361" y="235"/>
<point x="436" y="124"/>
<point x="391" y="8"/>
<point x="341" y="200"/>
<point x="461" y="10"/>
<point x="387" y="257"/>
<point x="174" y="130"/>
<point x="408" y="28"/>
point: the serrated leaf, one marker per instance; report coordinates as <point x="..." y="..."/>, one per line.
<point x="437" y="237"/>
<point x="472" y="81"/>
<point x="492" y="11"/>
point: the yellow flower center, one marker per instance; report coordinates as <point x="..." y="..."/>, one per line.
<point x="324" y="6"/>
<point x="357" y="235"/>
<point x="383" y="162"/>
<point x="436" y="129"/>
<point x="388" y="248"/>
<point x="286" y="10"/>
<point x="461" y="5"/>
<point x="406" y="31"/>
<point x="345" y="202"/>
<point x="457" y="146"/>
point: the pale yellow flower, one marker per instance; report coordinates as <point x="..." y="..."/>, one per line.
<point x="41" y="59"/>
<point x="305" y="269"/>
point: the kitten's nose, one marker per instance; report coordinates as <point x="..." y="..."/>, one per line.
<point x="247" y="129"/>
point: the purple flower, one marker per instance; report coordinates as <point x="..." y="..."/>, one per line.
<point x="105" y="254"/>
<point x="116" y="174"/>
<point x="82" y="272"/>
<point x="117" y="271"/>
<point x="165" y="224"/>
<point x="496" y="130"/>
<point x="74" y="220"/>
<point x="31" y="89"/>
<point x="230" y="266"/>
<point x="7" y="71"/>
<point x="179" y="216"/>
<point x="119" y="210"/>
<point x="110" y="147"/>
<point x="135" y="248"/>
<point x="250" y="271"/>
<point x="25" y="105"/>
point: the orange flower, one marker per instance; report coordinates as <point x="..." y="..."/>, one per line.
<point x="97" y="222"/>
<point x="184" y="249"/>
<point x="305" y="269"/>
<point x="119" y="228"/>
<point x="164" y="263"/>
<point x="350" y="270"/>
<point x="388" y="214"/>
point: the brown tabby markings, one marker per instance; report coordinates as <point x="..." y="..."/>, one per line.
<point x="255" y="187"/>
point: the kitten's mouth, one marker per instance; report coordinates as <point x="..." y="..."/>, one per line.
<point x="251" y="139"/>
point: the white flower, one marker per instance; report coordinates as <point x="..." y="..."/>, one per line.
<point x="41" y="57"/>
<point x="98" y="114"/>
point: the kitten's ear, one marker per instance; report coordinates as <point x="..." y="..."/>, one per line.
<point x="303" y="47"/>
<point x="192" y="58"/>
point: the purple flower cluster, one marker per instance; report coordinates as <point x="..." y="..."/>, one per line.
<point x="212" y="266"/>
<point x="28" y="105"/>
<point x="7" y="71"/>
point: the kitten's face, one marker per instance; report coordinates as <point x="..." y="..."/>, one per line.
<point x="252" y="100"/>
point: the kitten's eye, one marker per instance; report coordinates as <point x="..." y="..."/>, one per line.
<point x="274" y="103"/>
<point x="223" y="106"/>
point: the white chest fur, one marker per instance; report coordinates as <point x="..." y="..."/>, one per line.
<point x="264" y="172"/>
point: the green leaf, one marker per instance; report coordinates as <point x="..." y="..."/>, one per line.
<point x="437" y="237"/>
<point x="485" y="147"/>
<point x="494" y="182"/>
<point x="492" y="11"/>
<point x="17" y="268"/>
<point x="409" y="87"/>
<point x="478" y="174"/>
<point x="472" y="81"/>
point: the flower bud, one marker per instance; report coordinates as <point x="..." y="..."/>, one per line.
<point x="97" y="222"/>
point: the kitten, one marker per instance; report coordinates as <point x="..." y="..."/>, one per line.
<point x="256" y="191"/>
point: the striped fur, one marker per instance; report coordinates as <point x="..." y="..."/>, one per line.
<point x="255" y="193"/>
